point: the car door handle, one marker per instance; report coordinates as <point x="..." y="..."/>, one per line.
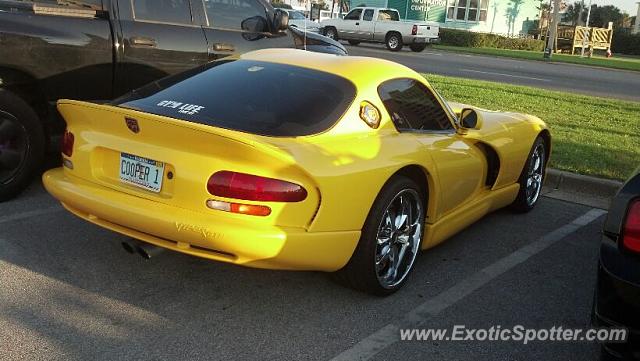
<point x="223" y="47"/>
<point x="357" y="23"/>
<point x="143" y="42"/>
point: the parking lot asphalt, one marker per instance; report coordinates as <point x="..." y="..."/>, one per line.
<point x="619" y="84"/>
<point x="69" y="292"/>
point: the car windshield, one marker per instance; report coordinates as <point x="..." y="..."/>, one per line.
<point x="249" y="96"/>
<point x="296" y="15"/>
<point x="390" y="15"/>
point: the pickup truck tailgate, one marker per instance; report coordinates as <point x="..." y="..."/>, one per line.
<point x="428" y="30"/>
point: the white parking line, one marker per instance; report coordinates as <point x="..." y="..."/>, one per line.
<point x="29" y="214"/>
<point x="503" y="74"/>
<point x="388" y="335"/>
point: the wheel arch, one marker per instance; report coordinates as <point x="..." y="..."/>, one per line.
<point x="388" y="34"/>
<point x="546" y="135"/>
<point x="26" y="87"/>
<point x="424" y="179"/>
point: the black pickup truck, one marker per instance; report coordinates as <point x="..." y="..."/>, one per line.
<point x="100" y="49"/>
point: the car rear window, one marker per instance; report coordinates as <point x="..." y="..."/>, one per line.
<point x="249" y="96"/>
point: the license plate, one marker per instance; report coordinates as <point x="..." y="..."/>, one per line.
<point x="141" y="172"/>
<point x="421" y="40"/>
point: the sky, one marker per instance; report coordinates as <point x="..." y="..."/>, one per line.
<point x="629" y="6"/>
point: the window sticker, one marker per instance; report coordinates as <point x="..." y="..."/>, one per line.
<point x="182" y="108"/>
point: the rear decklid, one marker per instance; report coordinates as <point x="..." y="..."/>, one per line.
<point x="108" y="139"/>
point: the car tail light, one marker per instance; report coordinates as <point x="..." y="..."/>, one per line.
<point x="67" y="143"/>
<point x="414" y="30"/>
<point x="254" y="188"/>
<point x="631" y="231"/>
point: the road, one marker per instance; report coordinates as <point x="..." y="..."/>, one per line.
<point x="69" y="292"/>
<point x="619" y="84"/>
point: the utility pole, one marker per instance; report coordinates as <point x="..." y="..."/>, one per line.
<point x="636" y="27"/>
<point x="554" y="29"/>
<point x="588" y="33"/>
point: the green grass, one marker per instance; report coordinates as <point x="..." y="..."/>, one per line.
<point x="591" y="135"/>
<point x="617" y="62"/>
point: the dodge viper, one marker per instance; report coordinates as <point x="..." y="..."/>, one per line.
<point x="284" y="159"/>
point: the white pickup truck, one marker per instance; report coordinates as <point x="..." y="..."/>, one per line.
<point x="381" y="25"/>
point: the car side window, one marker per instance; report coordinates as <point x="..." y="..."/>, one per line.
<point x="296" y="15"/>
<point x="165" y="11"/>
<point x="368" y="15"/>
<point x="231" y="14"/>
<point x="412" y="106"/>
<point x="353" y="15"/>
<point x="388" y="15"/>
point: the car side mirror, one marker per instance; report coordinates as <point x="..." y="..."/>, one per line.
<point x="469" y="119"/>
<point x="254" y="28"/>
<point x="280" y="20"/>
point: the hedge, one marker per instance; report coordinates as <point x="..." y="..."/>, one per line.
<point x="472" y="39"/>
<point x="625" y="43"/>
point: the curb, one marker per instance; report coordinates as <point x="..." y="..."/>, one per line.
<point x="577" y="183"/>
<point x="552" y="62"/>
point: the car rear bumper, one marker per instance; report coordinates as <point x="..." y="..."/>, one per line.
<point x="617" y="298"/>
<point x="214" y="236"/>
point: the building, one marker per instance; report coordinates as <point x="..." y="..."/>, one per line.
<point x="506" y="17"/>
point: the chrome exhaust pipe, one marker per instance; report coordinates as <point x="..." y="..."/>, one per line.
<point x="129" y="245"/>
<point x="147" y="250"/>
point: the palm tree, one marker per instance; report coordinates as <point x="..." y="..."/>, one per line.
<point x="545" y="9"/>
<point x="575" y="13"/>
<point x="512" y="14"/>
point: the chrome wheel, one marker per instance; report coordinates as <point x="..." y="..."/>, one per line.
<point x="534" y="174"/>
<point x="398" y="238"/>
<point x="13" y="147"/>
<point x="393" y="42"/>
<point x="331" y="34"/>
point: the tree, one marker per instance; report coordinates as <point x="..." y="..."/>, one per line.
<point x="576" y="13"/>
<point x="602" y="15"/>
<point x="544" y="10"/>
<point x="512" y="14"/>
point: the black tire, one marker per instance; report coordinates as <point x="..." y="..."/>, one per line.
<point x="525" y="202"/>
<point x="417" y="47"/>
<point x="360" y="272"/>
<point x="22" y="135"/>
<point x="393" y="42"/>
<point x="331" y="33"/>
<point x="354" y="42"/>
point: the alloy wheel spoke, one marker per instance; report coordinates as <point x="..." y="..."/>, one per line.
<point x="403" y="213"/>
<point x="393" y="264"/>
<point x="384" y="255"/>
<point x="536" y="164"/>
<point x="401" y="253"/>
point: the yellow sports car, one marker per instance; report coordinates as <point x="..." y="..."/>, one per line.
<point x="286" y="159"/>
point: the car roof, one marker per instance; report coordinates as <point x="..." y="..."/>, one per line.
<point x="360" y="70"/>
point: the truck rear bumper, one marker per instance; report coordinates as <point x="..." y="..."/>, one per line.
<point x="213" y="236"/>
<point x="420" y="40"/>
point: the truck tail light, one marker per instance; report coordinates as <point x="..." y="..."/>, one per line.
<point x="67" y="143"/>
<point x="631" y="231"/>
<point x="254" y="188"/>
<point x="414" y="30"/>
